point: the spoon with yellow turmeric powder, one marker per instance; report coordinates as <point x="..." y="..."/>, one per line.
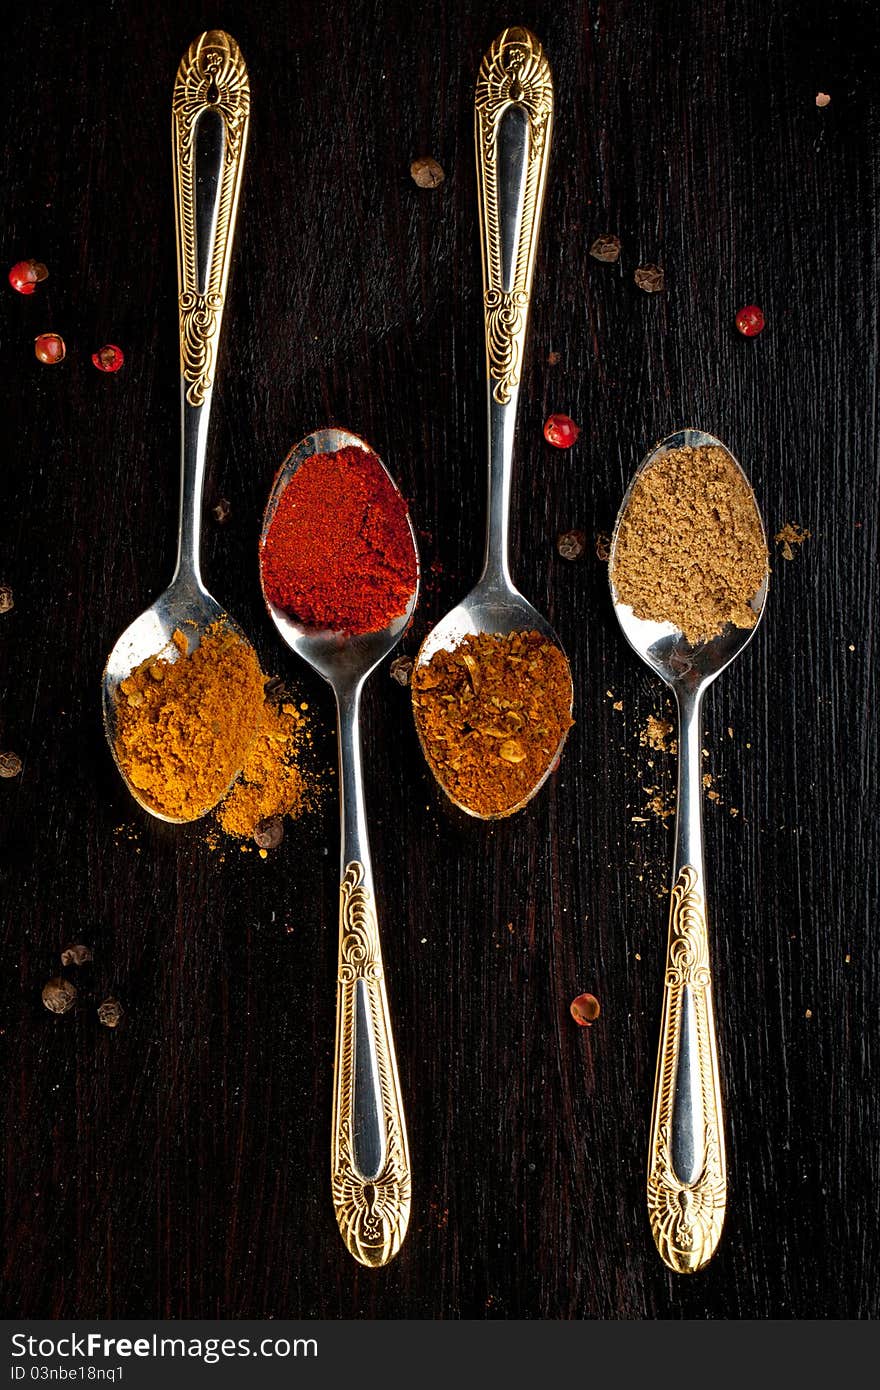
<point x="182" y="688"/>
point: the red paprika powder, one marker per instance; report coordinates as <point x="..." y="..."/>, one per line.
<point x="339" y="553"/>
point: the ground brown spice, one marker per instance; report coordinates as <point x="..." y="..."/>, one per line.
<point x="690" y="549"/>
<point x="491" y="715"/>
<point x="184" y="724"/>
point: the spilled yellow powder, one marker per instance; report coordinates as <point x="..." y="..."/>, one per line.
<point x="272" y="782"/>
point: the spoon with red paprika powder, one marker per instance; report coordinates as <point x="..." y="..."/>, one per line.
<point x="514" y="120"/>
<point x="340" y="575"/>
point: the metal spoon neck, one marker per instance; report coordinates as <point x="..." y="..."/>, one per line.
<point x="501" y="427"/>
<point x="354" y="844"/>
<point x="194" y="422"/>
<point x="689" y="823"/>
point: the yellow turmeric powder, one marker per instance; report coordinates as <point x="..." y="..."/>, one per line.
<point x="185" y="721"/>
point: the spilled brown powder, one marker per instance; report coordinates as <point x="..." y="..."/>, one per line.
<point x="690" y="549"/>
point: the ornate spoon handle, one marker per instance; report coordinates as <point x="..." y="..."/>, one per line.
<point x="209" y="125"/>
<point x="369" y="1152"/>
<point x="687" y="1176"/>
<point x="513" y="112"/>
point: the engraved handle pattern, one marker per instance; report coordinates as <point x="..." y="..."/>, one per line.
<point x="686" y="1217"/>
<point x="372" y="1213"/>
<point x="212" y="77"/>
<point x="514" y="72"/>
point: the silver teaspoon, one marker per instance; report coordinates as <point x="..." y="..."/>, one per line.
<point x="513" y="126"/>
<point x="370" y="1168"/>
<point x="687" y="1175"/>
<point x="210" y="110"/>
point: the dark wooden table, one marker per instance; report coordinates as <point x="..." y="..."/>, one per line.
<point x="179" y="1166"/>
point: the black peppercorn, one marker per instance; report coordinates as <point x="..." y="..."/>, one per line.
<point x="649" y="278"/>
<point x="10" y="764"/>
<point x="400" y="669"/>
<point x="605" y="248"/>
<point x="6" y="599"/>
<point x="110" y="1012"/>
<point x="269" y="832"/>
<point x="76" y="955"/>
<point x="426" y="172"/>
<point x="59" y="995"/>
<point x="570" y="544"/>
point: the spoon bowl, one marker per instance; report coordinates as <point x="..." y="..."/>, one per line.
<point x="370" y="1167"/>
<point x="341" y="658"/>
<point x="687" y="1172"/>
<point x="678" y="662"/>
<point x="185" y="606"/>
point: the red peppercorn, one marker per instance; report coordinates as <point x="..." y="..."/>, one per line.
<point x="750" y="321"/>
<point x="49" y="348"/>
<point x="26" y="275"/>
<point x="585" y="1009"/>
<point x="561" y="431"/>
<point x="108" y="358"/>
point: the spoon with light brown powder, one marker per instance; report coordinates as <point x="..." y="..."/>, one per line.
<point x="688" y="571"/>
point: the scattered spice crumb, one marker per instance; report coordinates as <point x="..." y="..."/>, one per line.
<point x="729" y="732"/>
<point x="847" y="958"/>
<point x="649" y="278"/>
<point x="585" y="1009"/>
<point x="10" y="764"/>
<point x="618" y="705"/>
<point x="59" y="995"/>
<point x="638" y="957"/>
<point x="400" y="669"/>
<point x="808" y="1013"/>
<point x="734" y="811"/>
<point x="656" y="735"/>
<point x="659" y="808"/>
<point x="553" y="358"/>
<point x="269" y="832"/>
<point x="76" y="955"/>
<point x="571" y="544"/>
<point x="606" y="248"/>
<point x="823" y="99"/>
<point x="110" y="1012"/>
<point x="7" y="601"/>
<point x="603" y="546"/>
<point x="221" y="511"/>
<point x="791" y="534"/>
<point x="426" y="172"/>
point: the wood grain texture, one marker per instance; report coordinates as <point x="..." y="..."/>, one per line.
<point x="179" y="1166"/>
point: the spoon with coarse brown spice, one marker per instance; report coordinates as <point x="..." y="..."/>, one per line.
<point x="688" y="572"/>
<point x="492" y="691"/>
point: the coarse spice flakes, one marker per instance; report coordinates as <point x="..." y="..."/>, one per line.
<point x="184" y="725"/>
<point x="690" y="549"/>
<point x="491" y="715"/>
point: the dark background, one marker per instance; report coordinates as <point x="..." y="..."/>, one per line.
<point x="178" y="1166"/>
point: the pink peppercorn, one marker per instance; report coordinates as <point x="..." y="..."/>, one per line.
<point x="750" y="321"/>
<point x="585" y="1009"/>
<point x="108" y="358"/>
<point x="26" y="275"/>
<point x="49" y="348"/>
<point x="560" y="431"/>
